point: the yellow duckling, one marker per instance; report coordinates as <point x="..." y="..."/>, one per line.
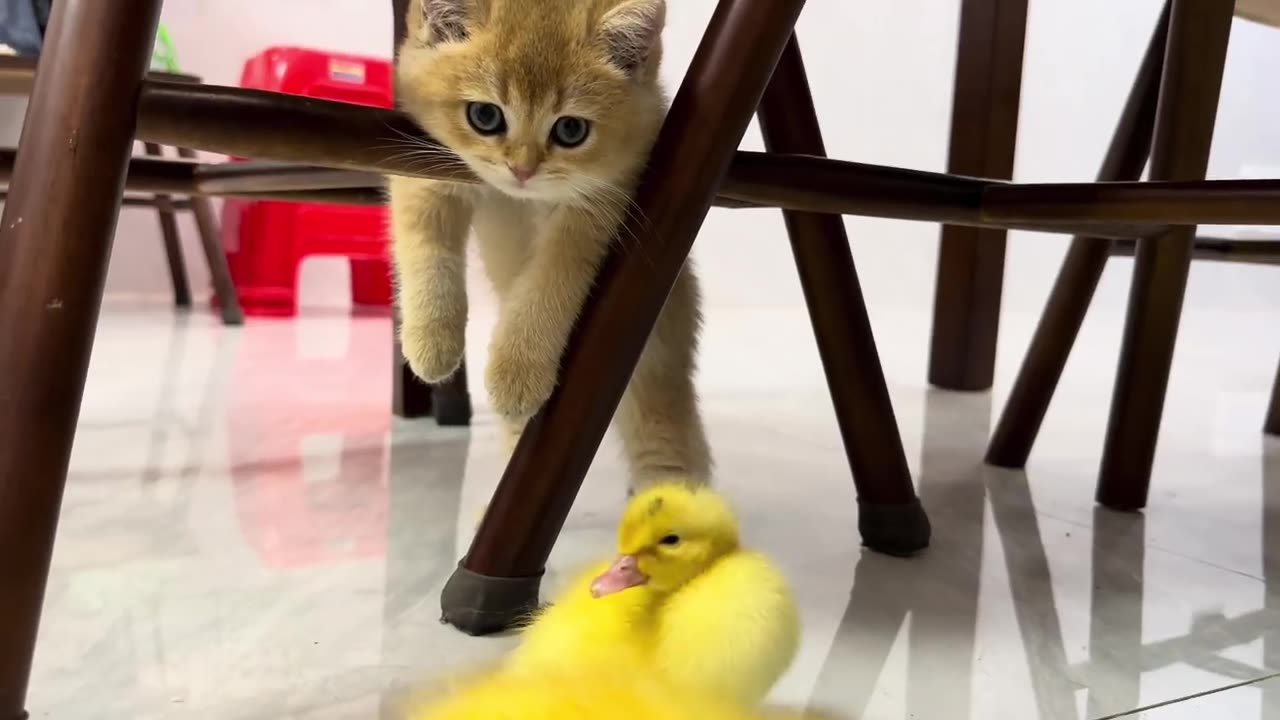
<point x="616" y="690"/>
<point x="683" y="598"/>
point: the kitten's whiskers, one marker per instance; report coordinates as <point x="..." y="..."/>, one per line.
<point x="419" y="154"/>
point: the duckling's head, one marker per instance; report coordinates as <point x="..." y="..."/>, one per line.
<point x="669" y="535"/>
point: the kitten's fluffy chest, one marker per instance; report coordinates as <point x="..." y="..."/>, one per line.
<point x="509" y="232"/>
<point x="516" y="222"/>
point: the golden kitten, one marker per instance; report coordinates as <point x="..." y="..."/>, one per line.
<point x="554" y="104"/>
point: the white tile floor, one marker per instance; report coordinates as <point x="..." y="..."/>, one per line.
<point x="247" y="533"/>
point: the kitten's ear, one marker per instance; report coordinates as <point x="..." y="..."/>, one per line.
<point x="632" y="32"/>
<point x="436" y="21"/>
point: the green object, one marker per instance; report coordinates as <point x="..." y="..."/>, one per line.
<point x="163" y="55"/>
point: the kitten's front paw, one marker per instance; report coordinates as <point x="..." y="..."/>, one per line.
<point x="518" y="382"/>
<point x="434" y="350"/>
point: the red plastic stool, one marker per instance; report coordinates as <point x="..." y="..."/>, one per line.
<point x="267" y="241"/>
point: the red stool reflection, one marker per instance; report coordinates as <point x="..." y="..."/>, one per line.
<point x="309" y="443"/>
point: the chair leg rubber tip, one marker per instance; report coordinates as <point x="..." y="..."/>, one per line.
<point x="897" y="530"/>
<point x="232" y="317"/>
<point x="483" y="605"/>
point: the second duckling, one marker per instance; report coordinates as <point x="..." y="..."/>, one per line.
<point x="682" y="596"/>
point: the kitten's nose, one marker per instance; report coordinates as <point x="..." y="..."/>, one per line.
<point x="522" y="173"/>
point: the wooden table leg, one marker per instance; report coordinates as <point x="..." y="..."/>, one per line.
<point x="172" y="243"/>
<point x="55" y="239"/>
<point x="1068" y="302"/>
<point x="890" y="516"/>
<point x="1198" y="34"/>
<point x="984" y="129"/>
<point x="214" y="254"/>
<point x="497" y="583"/>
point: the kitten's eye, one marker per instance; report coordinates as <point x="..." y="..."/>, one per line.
<point x="570" y="131"/>
<point x="670" y="540"/>
<point x="486" y="118"/>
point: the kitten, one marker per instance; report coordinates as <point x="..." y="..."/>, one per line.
<point x="554" y="104"/>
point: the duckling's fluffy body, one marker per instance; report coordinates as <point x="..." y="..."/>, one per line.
<point x="733" y="630"/>
<point x="603" y="691"/>
<point x="684" y="601"/>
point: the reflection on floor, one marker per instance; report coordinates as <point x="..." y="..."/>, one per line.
<point x="247" y="534"/>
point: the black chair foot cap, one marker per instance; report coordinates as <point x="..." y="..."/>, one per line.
<point x="897" y="530"/>
<point x="482" y="605"/>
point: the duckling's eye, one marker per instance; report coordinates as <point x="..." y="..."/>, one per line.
<point x="670" y="540"/>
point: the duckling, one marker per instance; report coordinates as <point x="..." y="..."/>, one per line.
<point x="683" y="596"/>
<point x="596" y="691"/>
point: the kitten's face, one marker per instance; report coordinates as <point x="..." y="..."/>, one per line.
<point x="541" y="104"/>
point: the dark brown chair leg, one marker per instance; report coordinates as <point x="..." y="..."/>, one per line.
<point x="211" y="244"/>
<point x="448" y="402"/>
<point x="1272" y="425"/>
<point x="1072" y="292"/>
<point x="410" y="397"/>
<point x="1198" y="34"/>
<point x="55" y="239"/>
<point x="172" y="244"/>
<point x="451" y="400"/>
<point x="497" y="582"/>
<point x="890" y="516"/>
<point x="984" y="129"/>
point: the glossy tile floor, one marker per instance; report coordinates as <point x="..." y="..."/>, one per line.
<point x="247" y="534"/>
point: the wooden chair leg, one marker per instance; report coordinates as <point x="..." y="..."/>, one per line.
<point x="172" y="243"/>
<point x="1198" y="34"/>
<point x="55" y="240"/>
<point x="1072" y="292"/>
<point x="984" y="129"/>
<point x="1272" y="425"/>
<point x="497" y="582"/>
<point x="214" y="256"/>
<point x="890" y="516"/>
<point x="410" y="396"/>
<point x="448" y="402"/>
<point x="451" y="400"/>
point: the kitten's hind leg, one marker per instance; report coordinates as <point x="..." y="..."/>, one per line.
<point x="429" y="224"/>
<point x="658" y="418"/>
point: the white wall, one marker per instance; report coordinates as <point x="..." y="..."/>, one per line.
<point x="881" y="72"/>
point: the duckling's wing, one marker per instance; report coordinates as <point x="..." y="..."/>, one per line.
<point x="734" y="630"/>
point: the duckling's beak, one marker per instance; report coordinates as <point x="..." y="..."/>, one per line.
<point x="622" y="574"/>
